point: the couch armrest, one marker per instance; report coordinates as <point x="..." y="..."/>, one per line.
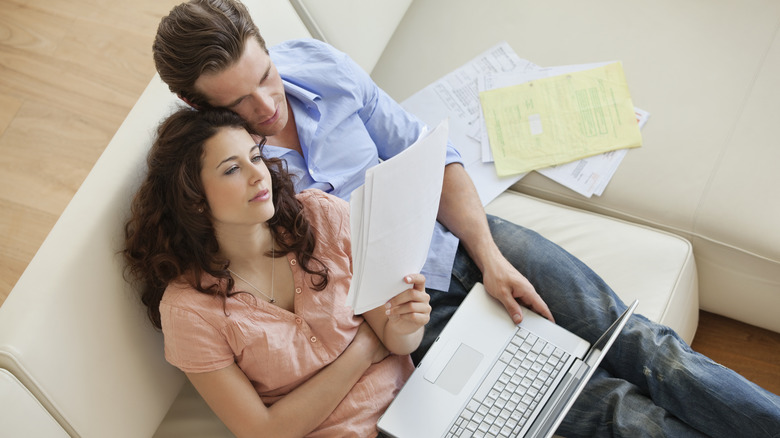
<point x="358" y="27"/>
<point x="21" y="414"/>
<point x="72" y="331"/>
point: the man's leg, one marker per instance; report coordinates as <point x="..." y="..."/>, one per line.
<point x="706" y="395"/>
<point x="611" y="406"/>
<point x="606" y="403"/>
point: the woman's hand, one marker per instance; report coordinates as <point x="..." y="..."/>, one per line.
<point x="401" y="322"/>
<point x="409" y="311"/>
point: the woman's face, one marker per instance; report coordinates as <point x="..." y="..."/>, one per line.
<point x="236" y="180"/>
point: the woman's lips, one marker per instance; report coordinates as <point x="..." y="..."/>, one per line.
<point x="263" y="195"/>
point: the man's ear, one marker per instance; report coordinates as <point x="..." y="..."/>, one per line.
<point x="187" y="101"/>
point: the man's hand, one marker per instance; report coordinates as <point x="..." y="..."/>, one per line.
<point x="507" y="285"/>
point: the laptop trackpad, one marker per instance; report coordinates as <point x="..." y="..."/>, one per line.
<point x="457" y="368"/>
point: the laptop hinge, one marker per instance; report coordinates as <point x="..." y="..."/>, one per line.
<point x="548" y="415"/>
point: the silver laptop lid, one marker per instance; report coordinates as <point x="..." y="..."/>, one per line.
<point x="552" y="417"/>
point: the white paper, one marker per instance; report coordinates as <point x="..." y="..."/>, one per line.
<point x="591" y="175"/>
<point x="392" y="217"/>
<point x="456" y="96"/>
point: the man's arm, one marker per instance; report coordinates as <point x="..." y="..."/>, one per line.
<point x="461" y="211"/>
<point x="393" y="129"/>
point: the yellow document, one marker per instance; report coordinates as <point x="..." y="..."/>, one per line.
<point x="559" y="119"/>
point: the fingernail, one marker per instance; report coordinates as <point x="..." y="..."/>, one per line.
<point x="408" y="279"/>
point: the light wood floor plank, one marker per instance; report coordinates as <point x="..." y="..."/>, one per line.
<point x="69" y="74"/>
<point x="8" y="107"/>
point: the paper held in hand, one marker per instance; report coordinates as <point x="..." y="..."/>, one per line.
<point x="392" y="217"/>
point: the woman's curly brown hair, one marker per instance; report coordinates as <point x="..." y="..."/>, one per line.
<point x="170" y="236"/>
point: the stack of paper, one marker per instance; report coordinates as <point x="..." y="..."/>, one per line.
<point x="392" y="217"/>
<point x="559" y="119"/>
<point x="456" y="95"/>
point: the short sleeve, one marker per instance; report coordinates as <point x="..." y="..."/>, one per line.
<point x="191" y="343"/>
<point x="330" y="215"/>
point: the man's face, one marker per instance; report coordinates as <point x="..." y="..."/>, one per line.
<point x="252" y="88"/>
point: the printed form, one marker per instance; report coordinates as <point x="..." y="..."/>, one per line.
<point x="559" y="119"/>
<point x="588" y="176"/>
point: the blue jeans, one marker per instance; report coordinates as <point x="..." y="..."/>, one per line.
<point x="650" y="384"/>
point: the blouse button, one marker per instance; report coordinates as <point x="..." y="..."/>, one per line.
<point x="297" y="290"/>
<point x="293" y="262"/>
<point x="298" y="320"/>
<point x="314" y="339"/>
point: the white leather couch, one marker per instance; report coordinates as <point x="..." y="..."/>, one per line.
<point x="708" y="74"/>
<point x="78" y="356"/>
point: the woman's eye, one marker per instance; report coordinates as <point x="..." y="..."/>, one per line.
<point x="257" y="158"/>
<point x="231" y="171"/>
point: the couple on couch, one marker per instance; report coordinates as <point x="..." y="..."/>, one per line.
<point x="239" y="237"/>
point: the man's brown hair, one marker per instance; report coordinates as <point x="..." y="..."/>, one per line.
<point x="201" y="36"/>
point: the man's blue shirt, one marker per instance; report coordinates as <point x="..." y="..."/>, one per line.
<point x="347" y="124"/>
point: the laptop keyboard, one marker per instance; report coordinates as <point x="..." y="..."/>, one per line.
<point x="521" y="377"/>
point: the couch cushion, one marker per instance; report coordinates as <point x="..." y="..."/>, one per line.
<point x="636" y="261"/>
<point x="191" y="417"/>
<point x="359" y="28"/>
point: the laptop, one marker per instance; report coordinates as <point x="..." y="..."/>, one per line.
<point x="484" y="376"/>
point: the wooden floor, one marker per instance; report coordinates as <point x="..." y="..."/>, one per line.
<point x="69" y="73"/>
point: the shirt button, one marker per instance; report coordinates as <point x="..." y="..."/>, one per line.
<point x="298" y="320"/>
<point x="297" y="290"/>
<point x="314" y="339"/>
<point x="293" y="262"/>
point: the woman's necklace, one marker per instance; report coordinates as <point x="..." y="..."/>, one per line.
<point x="273" y="268"/>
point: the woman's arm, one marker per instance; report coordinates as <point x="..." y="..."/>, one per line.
<point x="400" y="323"/>
<point x="232" y="397"/>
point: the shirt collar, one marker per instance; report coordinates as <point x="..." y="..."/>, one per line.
<point x="302" y="94"/>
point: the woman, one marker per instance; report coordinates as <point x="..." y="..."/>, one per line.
<point x="248" y="283"/>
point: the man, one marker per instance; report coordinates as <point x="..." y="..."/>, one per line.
<point x="330" y="122"/>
